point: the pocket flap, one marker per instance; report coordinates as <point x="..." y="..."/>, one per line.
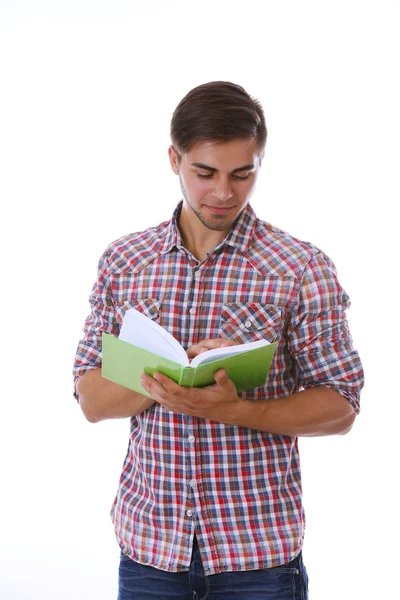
<point x="252" y="316"/>
<point x="148" y="306"/>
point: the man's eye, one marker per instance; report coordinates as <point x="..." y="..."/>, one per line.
<point x="211" y="175"/>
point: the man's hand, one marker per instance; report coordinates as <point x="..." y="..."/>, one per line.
<point x="219" y="402"/>
<point x="209" y="344"/>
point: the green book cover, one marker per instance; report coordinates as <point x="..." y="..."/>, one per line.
<point x="124" y="363"/>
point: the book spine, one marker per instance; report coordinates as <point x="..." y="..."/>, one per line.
<point x="188" y="376"/>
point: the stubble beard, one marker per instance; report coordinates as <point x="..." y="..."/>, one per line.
<point x="214" y="223"/>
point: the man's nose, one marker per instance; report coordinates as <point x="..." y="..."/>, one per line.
<point x="222" y="190"/>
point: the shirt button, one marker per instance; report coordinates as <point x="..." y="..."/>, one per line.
<point x="189" y="513"/>
<point x="192" y="311"/>
<point x="192" y="483"/>
<point x="191" y="438"/>
<point x="197" y="273"/>
<point x="248" y="324"/>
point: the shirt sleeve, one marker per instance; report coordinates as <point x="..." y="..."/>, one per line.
<point x="319" y="335"/>
<point x="101" y="318"/>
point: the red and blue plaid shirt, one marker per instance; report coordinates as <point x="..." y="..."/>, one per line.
<point x="237" y="489"/>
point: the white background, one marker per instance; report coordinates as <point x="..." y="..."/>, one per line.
<point x="87" y="94"/>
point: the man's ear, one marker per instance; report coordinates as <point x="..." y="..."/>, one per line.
<point x="173" y="158"/>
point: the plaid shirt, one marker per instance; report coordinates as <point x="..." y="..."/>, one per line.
<point x="238" y="489"/>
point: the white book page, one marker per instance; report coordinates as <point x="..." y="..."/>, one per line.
<point x="139" y="330"/>
<point x="216" y="353"/>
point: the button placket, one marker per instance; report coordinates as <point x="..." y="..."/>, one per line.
<point x="192" y="479"/>
<point x="193" y="310"/>
<point x="194" y="290"/>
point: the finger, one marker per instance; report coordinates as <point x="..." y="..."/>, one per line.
<point x="157" y="392"/>
<point x="155" y="388"/>
<point x="168" y="384"/>
<point x="166" y="391"/>
<point x="209" y="344"/>
<point x="195" y="350"/>
<point x="222" y="380"/>
<point x="227" y="342"/>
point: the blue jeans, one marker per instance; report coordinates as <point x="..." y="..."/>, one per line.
<point x="140" y="582"/>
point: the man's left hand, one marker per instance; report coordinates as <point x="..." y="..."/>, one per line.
<point x="219" y="402"/>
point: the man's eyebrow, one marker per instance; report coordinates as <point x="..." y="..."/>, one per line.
<point x="214" y="170"/>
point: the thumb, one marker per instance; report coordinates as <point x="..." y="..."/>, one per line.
<point x="222" y="378"/>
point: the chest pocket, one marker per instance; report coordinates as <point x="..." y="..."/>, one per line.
<point x="148" y="306"/>
<point x="250" y="322"/>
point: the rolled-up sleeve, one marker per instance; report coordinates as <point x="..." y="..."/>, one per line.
<point x="101" y="318"/>
<point x="319" y="336"/>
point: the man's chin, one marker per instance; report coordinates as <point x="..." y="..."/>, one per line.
<point x="213" y="221"/>
<point x="218" y="222"/>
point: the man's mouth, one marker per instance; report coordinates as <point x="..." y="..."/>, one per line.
<point x="219" y="210"/>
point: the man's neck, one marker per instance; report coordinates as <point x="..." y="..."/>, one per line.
<point x="198" y="239"/>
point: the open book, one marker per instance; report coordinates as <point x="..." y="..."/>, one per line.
<point x="144" y="346"/>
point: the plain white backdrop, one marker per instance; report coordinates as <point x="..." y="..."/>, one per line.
<point x="87" y="94"/>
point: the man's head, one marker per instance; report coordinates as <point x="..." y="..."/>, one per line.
<point x="218" y="111"/>
<point x="218" y="136"/>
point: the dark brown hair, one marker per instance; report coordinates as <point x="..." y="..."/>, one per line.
<point x="218" y="111"/>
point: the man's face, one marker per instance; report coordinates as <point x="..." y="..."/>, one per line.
<point x="217" y="181"/>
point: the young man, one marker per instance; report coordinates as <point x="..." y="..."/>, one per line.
<point x="209" y="503"/>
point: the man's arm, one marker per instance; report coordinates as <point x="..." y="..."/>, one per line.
<point x="314" y="412"/>
<point x="98" y="397"/>
<point x="318" y="335"/>
<point x="317" y="411"/>
<point x="102" y="399"/>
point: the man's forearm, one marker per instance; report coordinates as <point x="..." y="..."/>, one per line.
<point x="102" y="399"/>
<point x="314" y="412"/>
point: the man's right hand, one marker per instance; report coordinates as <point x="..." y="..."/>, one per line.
<point x="209" y="344"/>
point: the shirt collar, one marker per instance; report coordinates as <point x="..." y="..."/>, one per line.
<point x="173" y="238"/>
<point x="240" y="235"/>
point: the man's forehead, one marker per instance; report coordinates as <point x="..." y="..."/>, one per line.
<point x="234" y="153"/>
